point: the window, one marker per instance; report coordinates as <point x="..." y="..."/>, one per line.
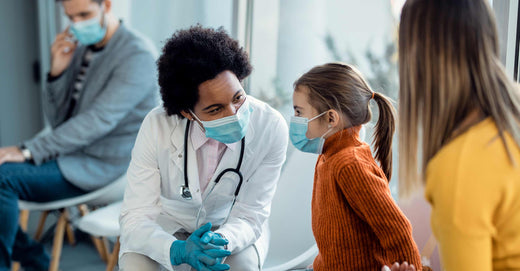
<point x="289" y="37"/>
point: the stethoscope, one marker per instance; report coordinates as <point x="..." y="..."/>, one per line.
<point x="185" y="189"/>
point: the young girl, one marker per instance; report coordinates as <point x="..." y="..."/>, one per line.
<point x="356" y="223"/>
<point x="460" y="116"/>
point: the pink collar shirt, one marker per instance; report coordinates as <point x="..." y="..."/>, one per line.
<point x="209" y="153"/>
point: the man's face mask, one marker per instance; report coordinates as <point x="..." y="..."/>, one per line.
<point x="90" y="31"/>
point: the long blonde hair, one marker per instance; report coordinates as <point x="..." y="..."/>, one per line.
<point x="341" y="87"/>
<point x="449" y="67"/>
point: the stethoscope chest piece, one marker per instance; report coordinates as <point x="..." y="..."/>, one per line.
<point x="185" y="189"/>
<point x="185" y="192"/>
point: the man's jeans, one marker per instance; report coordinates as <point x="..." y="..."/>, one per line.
<point x="28" y="182"/>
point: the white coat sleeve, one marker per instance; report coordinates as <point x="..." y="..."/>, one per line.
<point x="253" y="204"/>
<point x="140" y="232"/>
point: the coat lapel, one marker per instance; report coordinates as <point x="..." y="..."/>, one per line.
<point x="178" y="158"/>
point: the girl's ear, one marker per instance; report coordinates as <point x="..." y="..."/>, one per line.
<point x="333" y="118"/>
<point x="336" y="120"/>
<point x="108" y="6"/>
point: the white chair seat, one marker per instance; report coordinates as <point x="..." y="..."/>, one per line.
<point x="103" y="221"/>
<point x="108" y="194"/>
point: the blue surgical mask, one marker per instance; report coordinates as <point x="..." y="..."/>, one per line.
<point x="228" y="129"/>
<point x="90" y="31"/>
<point x="297" y="133"/>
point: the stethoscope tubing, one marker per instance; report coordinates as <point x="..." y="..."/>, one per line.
<point x="185" y="192"/>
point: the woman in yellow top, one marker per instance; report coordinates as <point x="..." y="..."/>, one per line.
<point x="459" y="131"/>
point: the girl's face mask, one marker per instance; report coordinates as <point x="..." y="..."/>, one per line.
<point x="297" y="133"/>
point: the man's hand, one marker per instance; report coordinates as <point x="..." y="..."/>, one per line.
<point x="11" y="154"/>
<point x="399" y="267"/>
<point x="62" y="51"/>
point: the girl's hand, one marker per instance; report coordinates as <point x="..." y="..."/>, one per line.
<point x="399" y="267"/>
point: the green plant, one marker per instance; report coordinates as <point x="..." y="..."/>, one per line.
<point x="381" y="73"/>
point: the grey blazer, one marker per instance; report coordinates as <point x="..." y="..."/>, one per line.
<point x="93" y="147"/>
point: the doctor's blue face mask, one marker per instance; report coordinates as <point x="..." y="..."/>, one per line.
<point x="228" y="129"/>
<point x="297" y="133"/>
<point x="90" y="31"/>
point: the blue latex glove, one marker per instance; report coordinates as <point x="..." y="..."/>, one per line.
<point x="202" y="256"/>
<point x="215" y="239"/>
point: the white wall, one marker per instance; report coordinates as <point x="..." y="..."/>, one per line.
<point x="20" y="108"/>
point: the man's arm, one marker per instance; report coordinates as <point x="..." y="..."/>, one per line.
<point x="133" y="80"/>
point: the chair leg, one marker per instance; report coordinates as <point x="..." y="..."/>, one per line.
<point x="83" y="209"/>
<point x="24" y="219"/>
<point x="15" y="267"/>
<point x="100" y="247"/>
<point x="41" y="224"/>
<point x="112" y="262"/>
<point x="106" y="248"/>
<point x="98" y="243"/>
<point x="70" y="234"/>
<point x="58" y="241"/>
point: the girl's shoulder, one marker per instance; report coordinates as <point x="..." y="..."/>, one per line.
<point x="354" y="159"/>
<point x="353" y="155"/>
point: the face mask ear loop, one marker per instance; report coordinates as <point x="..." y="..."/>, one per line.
<point x="329" y="126"/>
<point x="328" y="131"/>
<point x="198" y="120"/>
<point x="104" y="18"/>
<point x="317" y="116"/>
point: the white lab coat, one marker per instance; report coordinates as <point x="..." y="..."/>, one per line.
<point x="153" y="208"/>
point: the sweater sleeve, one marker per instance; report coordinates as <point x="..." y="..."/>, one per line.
<point x="366" y="190"/>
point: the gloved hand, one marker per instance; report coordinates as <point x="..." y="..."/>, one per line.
<point x="200" y="255"/>
<point x="212" y="238"/>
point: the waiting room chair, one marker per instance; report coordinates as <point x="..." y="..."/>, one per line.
<point x="104" y="222"/>
<point x="113" y="192"/>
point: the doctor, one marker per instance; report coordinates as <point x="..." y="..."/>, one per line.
<point x="211" y="153"/>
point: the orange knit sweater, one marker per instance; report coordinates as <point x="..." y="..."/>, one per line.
<point x="356" y="223"/>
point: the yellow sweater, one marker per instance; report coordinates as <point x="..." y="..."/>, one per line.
<point x="474" y="191"/>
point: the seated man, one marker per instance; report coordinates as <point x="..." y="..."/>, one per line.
<point x="101" y="84"/>
<point x="208" y="143"/>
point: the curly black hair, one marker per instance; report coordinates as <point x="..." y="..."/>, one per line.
<point x="193" y="56"/>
